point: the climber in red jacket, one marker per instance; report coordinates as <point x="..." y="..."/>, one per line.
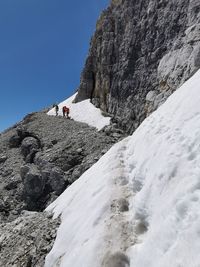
<point x="65" y="112"/>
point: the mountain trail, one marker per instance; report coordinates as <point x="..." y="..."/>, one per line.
<point x="119" y="230"/>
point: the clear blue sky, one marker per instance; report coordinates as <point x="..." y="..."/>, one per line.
<point x="43" y="47"/>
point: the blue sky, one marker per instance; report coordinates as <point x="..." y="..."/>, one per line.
<point x="43" y="47"/>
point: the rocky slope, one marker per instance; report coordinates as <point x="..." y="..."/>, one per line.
<point x="141" y="52"/>
<point x="39" y="158"/>
<point x="26" y="240"/>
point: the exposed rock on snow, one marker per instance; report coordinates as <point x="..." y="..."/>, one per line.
<point x="116" y="260"/>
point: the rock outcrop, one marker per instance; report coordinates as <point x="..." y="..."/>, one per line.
<point x="39" y="158"/>
<point x="140" y="53"/>
<point x="43" y="155"/>
<point x="26" y="240"/>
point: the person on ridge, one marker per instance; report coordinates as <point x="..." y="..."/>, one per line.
<point x="56" y="108"/>
<point x="65" y="112"/>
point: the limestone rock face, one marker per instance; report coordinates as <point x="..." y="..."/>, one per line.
<point x="140" y="46"/>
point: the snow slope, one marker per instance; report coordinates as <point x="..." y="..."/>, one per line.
<point x="139" y="204"/>
<point x="83" y="111"/>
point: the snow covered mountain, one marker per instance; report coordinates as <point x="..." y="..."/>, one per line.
<point x="138" y="205"/>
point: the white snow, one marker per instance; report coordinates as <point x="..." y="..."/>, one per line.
<point x="157" y="170"/>
<point x="83" y="111"/>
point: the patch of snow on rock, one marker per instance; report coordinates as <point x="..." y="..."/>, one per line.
<point x="83" y="111"/>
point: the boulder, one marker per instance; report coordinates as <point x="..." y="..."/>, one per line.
<point x="14" y="141"/>
<point x="56" y="180"/>
<point x="29" y="147"/>
<point x="3" y="158"/>
<point x="34" y="185"/>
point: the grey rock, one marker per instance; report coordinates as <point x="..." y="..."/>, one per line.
<point x="7" y="172"/>
<point x="29" y="147"/>
<point x="140" y="47"/>
<point x="57" y="181"/>
<point x="33" y="182"/>
<point x="39" y="182"/>
<point x="3" y="158"/>
<point x="118" y="259"/>
<point x="26" y="240"/>
<point x="12" y="184"/>
<point x="123" y="205"/>
<point x="3" y="206"/>
<point x="14" y="141"/>
<point x="33" y="188"/>
<point x="35" y="185"/>
<point x="24" y="170"/>
<point x="150" y="96"/>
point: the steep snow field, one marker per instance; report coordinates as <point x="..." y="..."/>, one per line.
<point x="83" y="111"/>
<point x="139" y="205"/>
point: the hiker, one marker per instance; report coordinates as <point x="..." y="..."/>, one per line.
<point x="56" y="109"/>
<point x="55" y="106"/>
<point x="65" y="112"/>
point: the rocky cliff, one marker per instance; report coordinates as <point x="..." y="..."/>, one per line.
<point x="141" y="52"/>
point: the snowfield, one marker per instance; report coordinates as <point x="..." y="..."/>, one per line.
<point x="83" y="111"/>
<point x="139" y="205"/>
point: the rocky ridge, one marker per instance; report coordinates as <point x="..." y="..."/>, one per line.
<point x="140" y="53"/>
<point x="39" y="158"/>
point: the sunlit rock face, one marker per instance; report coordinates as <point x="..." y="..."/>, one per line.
<point x="139" y="47"/>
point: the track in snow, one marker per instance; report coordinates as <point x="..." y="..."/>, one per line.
<point x="119" y="228"/>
